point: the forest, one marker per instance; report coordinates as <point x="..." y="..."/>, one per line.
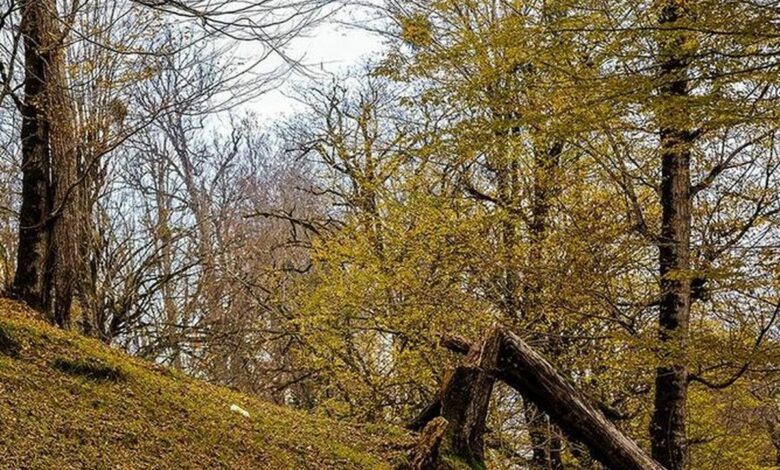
<point x="524" y="234"/>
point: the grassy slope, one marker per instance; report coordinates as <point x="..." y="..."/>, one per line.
<point x="132" y="414"/>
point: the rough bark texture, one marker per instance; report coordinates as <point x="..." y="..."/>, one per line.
<point x="538" y="382"/>
<point x="33" y="275"/>
<point x="48" y="255"/>
<point x="465" y="399"/>
<point x="536" y="379"/>
<point x="667" y="429"/>
<point x="425" y="455"/>
<point x="68" y="224"/>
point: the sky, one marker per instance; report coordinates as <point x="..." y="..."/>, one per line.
<point x="327" y="50"/>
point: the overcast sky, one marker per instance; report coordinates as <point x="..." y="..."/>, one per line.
<point x="328" y="49"/>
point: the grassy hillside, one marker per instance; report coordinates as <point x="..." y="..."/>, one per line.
<point x="70" y="402"/>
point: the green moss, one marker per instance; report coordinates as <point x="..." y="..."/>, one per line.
<point x="74" y="403"/>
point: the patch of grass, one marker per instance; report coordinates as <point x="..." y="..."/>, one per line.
<point x="73" y="402"/>
<point x="91" y="368"/>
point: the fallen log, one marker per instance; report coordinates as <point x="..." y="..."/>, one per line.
<point x="536" y="379"/>
<point x="510" y="359"/>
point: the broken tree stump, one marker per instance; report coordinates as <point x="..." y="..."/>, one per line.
<point x="458" y="345"/>
<point x="465" y="400"/>
<point x="463" y="404"/>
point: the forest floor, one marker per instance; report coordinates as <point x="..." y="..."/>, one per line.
<point x="68" y="402"/>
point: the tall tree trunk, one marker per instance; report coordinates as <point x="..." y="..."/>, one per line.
<point x="48" y="232"/>
<point x="32" y="282"/>
<point x="69" y="222"/>
<point x="667" y="429"/>
<point x="544" y="437"/>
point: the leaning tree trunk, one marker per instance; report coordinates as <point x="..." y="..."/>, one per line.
<point x="538" y="381"/>
<point x="511" y="360"/>
<point x="667" y="429"/>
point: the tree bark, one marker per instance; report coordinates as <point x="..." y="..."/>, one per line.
<point x="538" y="382"/>
<point x="426" y="454"/>
<point x="69" y="221"/>
<point x="48" y="230"/>
<point x="32" y="282"/>
<point x="465" y="399"/>
<point x="667" y="429"/>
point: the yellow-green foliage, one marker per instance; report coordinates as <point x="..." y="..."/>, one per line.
<point x="71" y="402"/>
<point x="531" y="197"/>
<point x="372" y="318"/>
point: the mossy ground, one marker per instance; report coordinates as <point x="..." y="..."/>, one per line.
<point x="68" y="402"/>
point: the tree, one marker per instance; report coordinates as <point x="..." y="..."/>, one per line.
<point x="600" y="178"/>
<point x="668" y="426"/>
<point x="63" y="142"/>
<point x="676" y="126"/>
<point x="46" y="244"/>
